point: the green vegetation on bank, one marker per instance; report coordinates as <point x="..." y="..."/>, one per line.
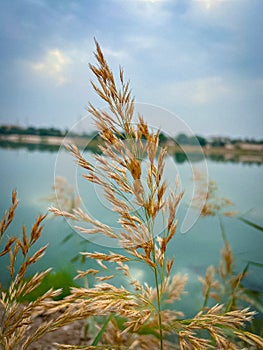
<point x="180" y="139"/>
<point x="18" y="130"/>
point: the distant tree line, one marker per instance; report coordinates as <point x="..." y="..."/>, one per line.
<point x="31" y="130"/>
<point x="180" y="139"/>
<point x="218" y="141"/>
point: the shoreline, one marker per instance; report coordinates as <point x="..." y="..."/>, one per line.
<point x="247" y="153"/>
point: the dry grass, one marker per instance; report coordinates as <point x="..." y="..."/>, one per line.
<point x="142" y="316"/>
<point x="140" y="195"/>
<point x="17" y="329"/>
<point x="63" y="193"/>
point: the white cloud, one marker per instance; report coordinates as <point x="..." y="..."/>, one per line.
<point x="141" y="42"/>
<point x="215" y="90"/>
<point x="155" y="11"/>
<point x="155" y="1"/>
<point x="207" y="90"/>
<point x="208" y="4"/>
<point x="116" y="54"/>
<point x="54" y="65"/>
<point x="200" y="91"/>
<point x="229" y="14"/>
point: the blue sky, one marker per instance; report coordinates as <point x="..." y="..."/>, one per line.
<point x="202" y="60"/>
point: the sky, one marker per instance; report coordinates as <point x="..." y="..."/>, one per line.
<point x="197" y="61"/>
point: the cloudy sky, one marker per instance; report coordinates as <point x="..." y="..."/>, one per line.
<point x="201" y="60"/>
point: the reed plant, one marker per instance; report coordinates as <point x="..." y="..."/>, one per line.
<point x="223" y="283"/>
<point x="17" y="316"/>
<point x="130" y="315"/>
<point x="130" y="170"/>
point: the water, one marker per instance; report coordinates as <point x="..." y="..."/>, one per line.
<point x="32" y="173"/>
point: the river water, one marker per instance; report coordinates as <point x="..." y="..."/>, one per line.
<point x="32" y="174"/>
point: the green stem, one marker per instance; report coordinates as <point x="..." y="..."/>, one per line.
<point x="206" y="298"/>
<point x="158" y="301"/>
<point x="159" y="308"/>
<point x="222" y="228"/>
<point x="103" y="329"/>
<point x="150" y="227"/>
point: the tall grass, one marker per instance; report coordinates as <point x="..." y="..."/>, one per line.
<point x="130" y="171"/>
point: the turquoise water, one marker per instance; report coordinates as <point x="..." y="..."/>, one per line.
<point x="32" y="174"/>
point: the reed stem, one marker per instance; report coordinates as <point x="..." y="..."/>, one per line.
<point x="159" y="308"/>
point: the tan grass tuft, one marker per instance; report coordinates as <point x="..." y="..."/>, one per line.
<point x="139" y="194"/>
<point x="131" y="174"/>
